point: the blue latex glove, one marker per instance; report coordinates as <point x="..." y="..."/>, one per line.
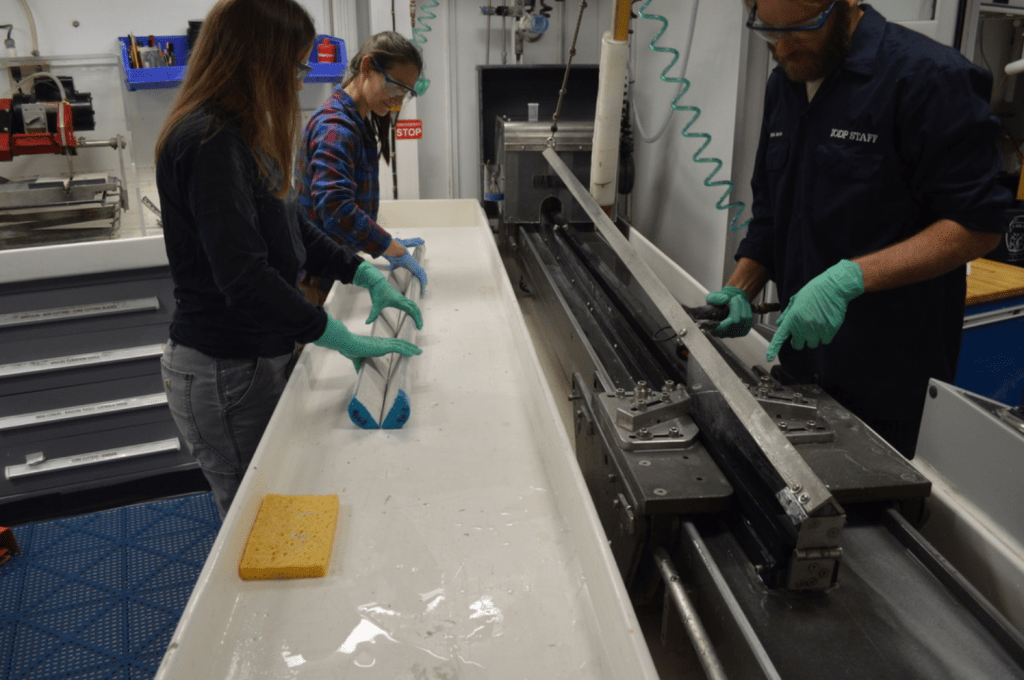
<point x="356" y="347"/>
<point x="382" y="294"/>
<point x="816" y="312"/>
<point x="408" y="262"/>
<point x="740" y="319"/>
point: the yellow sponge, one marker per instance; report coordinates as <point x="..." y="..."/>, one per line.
<point x="292" y="537"/>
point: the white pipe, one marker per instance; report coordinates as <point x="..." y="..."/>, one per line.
<point x="604" y="160"/>
<point x="1014" y="67"/>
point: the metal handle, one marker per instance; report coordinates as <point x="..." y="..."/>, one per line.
<point x="691" y="620"/>
<point x="36" y="463"/>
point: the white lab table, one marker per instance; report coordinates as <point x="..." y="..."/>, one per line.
<point x="467" y="545"/>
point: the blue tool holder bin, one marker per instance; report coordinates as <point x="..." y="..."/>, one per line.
<point x="159" y="77"/>
<point x="329" y="72"/>
<point x="170" y="76"/>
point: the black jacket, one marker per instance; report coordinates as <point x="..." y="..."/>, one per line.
<point x="236" y="250"/>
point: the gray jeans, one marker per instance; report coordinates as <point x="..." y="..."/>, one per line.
<point x="221" y="408"/>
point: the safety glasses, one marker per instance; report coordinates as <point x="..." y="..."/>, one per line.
<point x="775" y="33"/>
<point x="302" y="70"/>
<point x="392" y="88"/>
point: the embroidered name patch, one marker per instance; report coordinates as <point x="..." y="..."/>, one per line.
<point x="854" y="136"/>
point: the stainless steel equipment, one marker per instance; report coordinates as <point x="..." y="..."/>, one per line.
<point x="776" y="507"/>
<point x="525" y="179"/>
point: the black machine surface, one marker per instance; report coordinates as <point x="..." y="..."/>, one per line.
<point x="776" y="508"/>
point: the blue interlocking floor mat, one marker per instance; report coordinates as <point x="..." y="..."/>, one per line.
<point x="98" y="596"/>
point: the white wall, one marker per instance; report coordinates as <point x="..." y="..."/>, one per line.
<point x="455" y="45"/>
<point x="671" y="206"/>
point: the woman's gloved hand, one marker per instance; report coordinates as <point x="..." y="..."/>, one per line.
<point x="816" y="312"/>
<point x="357" y="347"/>
<point x="408" y="261"/>
<point x="382" y="294"/>
<point x="740" y="319"/>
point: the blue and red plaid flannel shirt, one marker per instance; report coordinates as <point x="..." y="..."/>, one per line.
<point x="338" y="172"/>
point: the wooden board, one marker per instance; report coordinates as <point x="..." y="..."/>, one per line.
<point x="991" y="281"/>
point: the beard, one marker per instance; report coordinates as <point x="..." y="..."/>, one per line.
<point x="802" y="66"/>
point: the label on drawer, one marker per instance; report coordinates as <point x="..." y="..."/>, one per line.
<point x="79" y="311"/>
<point x="37" y="464"/>
<point x="78" y="360"/>
<point x="84" y="411"/>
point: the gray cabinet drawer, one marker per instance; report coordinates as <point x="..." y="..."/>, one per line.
<point x="39" y="320"/>
<point x="81" y="398"/>
<point x="45" y="377"/>
<point x="92" y="459"/>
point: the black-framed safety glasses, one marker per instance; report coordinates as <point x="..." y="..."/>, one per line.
<point x="392" y="88"/>
<point x="773" y="33"/>
<point x="302" y="70"/>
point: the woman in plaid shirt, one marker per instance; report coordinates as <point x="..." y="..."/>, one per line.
<point x="339" y="183"/>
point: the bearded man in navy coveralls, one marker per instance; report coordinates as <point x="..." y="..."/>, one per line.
<point x="874" y="184"/>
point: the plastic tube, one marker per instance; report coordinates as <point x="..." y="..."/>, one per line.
<point x="31" y="28"/>
<point x="698" y="157"/>
<point x="682" y="75"/>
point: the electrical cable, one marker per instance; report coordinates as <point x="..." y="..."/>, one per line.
<point x="697" y="157"/>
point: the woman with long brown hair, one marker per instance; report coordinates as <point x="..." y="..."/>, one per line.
<point x="342" y="144"/>
<point x="237" y="240"/>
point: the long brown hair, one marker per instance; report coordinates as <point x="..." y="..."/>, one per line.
<point x="387" y="49"/>
<point x="244" y="65"/>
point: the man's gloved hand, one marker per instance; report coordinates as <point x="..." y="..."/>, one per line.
<point x="408" y="261"/>
<point x="740" y="318"/>
<point x="382" y="294"/>
<point x="816" y="312"/>
<point x="357" y="347"/>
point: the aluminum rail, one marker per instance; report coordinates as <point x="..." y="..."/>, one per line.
<point x="805" y="494"/>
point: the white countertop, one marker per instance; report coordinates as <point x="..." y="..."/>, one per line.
<point x="468" y="546"/>
<point x="74" y="259"/>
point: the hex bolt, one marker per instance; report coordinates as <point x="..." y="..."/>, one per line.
<point x="644" y="433"/>
<point x="668" y="386"/>
<point x="811" y="424"/>
<point x="796" y="487"/>
<point x="673" y="431"/>
<point x="783" y="425"/>
<point x="805" y="499"/>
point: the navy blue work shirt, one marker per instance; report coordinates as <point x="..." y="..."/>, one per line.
<point x="896" y="138"/>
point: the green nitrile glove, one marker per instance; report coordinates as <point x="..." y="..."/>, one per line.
<point x="382" y="294"/>
<point x="816" y="312"/>
<point x="357" y="347"/>
<point x="740" y="319"/>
